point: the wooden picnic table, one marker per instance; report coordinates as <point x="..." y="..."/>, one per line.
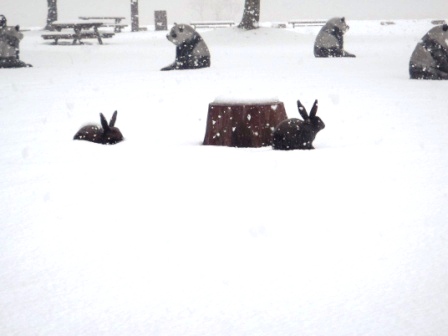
<point x="117" y="25"/>
<point x="81" y="30"/>
<point x="116" y="18"/>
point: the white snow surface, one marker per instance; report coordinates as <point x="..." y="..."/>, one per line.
<point x="160" y="235"/>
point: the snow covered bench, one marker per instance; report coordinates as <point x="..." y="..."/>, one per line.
<point x="212" y="24"/>
<point x="56" y="36"/>
<point x="19" y="29"/>
<point x="305" y="23"/>
<point x="438" y="22"/>
<point x="117" y="25"/>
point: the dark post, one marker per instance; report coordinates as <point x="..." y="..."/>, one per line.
<point x="52" y="14"/>
<point x="134" y="16"/>
<point x="160" y="20"/>
<point x="251" y="15"/>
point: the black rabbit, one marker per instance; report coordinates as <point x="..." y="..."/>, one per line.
<point x="108" y="135"/>
<point x="297" y="134"/>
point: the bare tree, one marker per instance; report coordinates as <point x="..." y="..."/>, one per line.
<point x="199" y="6"/>
<point x="135" y="26"/>
<point x="52" y="13"/>
<point x="251" y="15"/>
<point x="216" y="9"/>
<point x="226" y="10"/>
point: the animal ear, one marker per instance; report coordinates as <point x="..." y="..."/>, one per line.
<point x="104" y="122"/>
<point x="314" y="109"/>
<point x="343" y="19"/>
<point x="113" y="119"/>
<point x="445" y="27"/>
<point x="302" y="110"/>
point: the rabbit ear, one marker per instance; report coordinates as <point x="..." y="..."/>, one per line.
<point x="113" y="119"/>
<point x="104" y="122"/>
<point x="314" y="109"/>
<point x="302" y="110"/>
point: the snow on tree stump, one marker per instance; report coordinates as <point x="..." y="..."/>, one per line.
<point x="243" y="123"/>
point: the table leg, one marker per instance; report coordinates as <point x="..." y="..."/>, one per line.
<point x="117" y="29"/>
<point x="100" y="41"/>
<point x="77" y="36"/>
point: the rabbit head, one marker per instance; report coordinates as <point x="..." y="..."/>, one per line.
<point x="107" y="135"/>
<point x="298" y="134"/>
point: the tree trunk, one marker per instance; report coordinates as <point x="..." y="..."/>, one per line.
<point x="135" y="26"/>
<point x="52" y="14"/>
<point x="251" y="15"/>
<point x="243" y="124"/>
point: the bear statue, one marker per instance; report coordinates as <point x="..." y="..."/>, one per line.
<point x="430" y="57"/>
<point x="330" y="40"/>
<point x="191" y="50"/>
<point x="9" y="45"/>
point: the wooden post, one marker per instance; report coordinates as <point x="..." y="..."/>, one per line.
<point x="243" y="124"/>
<point x="135" y="26"/>
<point x="52" y="14"/>
<point x="251" y="15"/>
<point x="160" y="20"/>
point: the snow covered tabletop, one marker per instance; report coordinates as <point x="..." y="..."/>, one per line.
<point x="246" y="100"/>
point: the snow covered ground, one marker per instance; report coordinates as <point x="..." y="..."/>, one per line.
<point x="160" y="235"/>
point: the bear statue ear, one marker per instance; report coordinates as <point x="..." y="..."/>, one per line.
<point x="445" y="27"/>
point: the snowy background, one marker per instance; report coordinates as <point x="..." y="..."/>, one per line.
<point x="34" y="12"/>
<point x="160" y="235"/>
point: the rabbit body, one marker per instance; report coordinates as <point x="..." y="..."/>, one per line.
<point x="298" y="134"/>
<point x="108" y="134"/>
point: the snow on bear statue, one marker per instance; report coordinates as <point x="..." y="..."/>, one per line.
<point x="191" y="50"/>
<point x="9" y="45"/>
<point x="330" y="40"/>
<point x="430" y="57"/>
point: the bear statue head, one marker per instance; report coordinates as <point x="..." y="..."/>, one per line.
<point x="2" y="21"/>
<point x="439" y="34"/>
<point x="181" y="33"/>
<point x="342" y="24"/>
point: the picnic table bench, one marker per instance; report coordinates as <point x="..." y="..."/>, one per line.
<point x="117" y="25"/>
<point x="305" y="23"/>
<point x="212" y="24"/>
<point x="81" y="31"/>
<point x="19" y="28"/>
<point x="56" y="36"/>
<point x="438" y="22"/>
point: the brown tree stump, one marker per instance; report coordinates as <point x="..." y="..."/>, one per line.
<point x="243" y="124"/>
